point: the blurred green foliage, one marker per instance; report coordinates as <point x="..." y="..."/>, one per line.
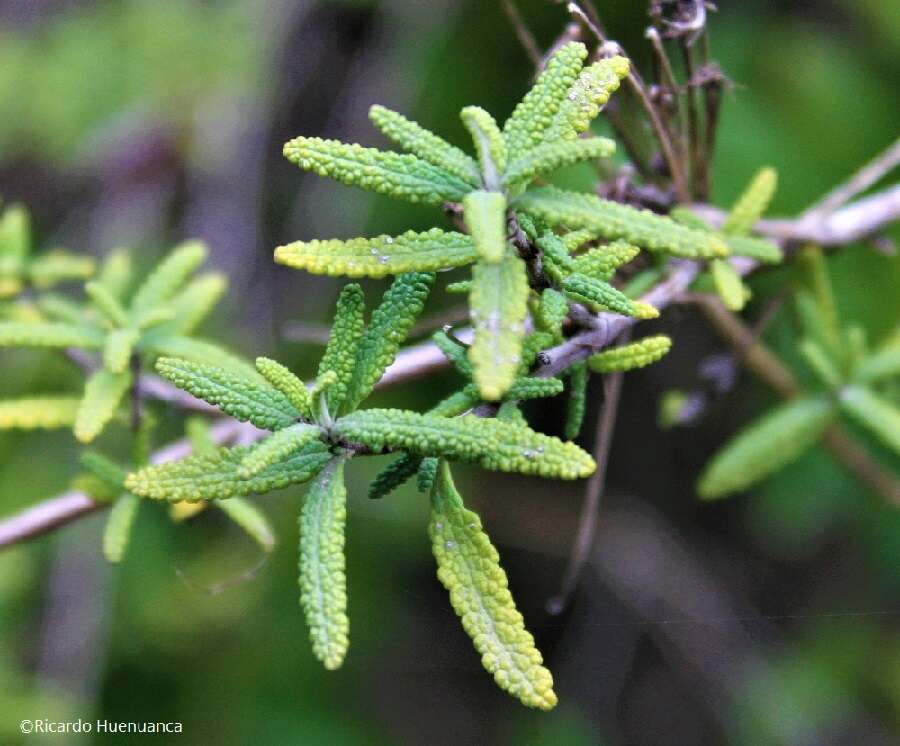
<point x="814" y="94"/>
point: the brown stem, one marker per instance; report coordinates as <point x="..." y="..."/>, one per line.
<point x="523" y="33"/>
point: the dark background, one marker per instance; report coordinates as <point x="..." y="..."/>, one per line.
<point x="769" y="618"/>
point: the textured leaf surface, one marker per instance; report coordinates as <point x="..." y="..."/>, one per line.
<point x="628" y="357"/>
<point x="48" y="334"/>
<point x="215" y="476"/>
<point x="117" y="533"/>
<point x="116" y="272"/>
<point x="380" y="256"/>
<point x="498" y="304"/>
<point x="577" y="402"/>
<point x="277" y="447"/>
<point x="202" y="351"/>
<point x="469" y="568"/>
<point x="108" y="471"/>
<point x="729" y="285"/>
<point x="194" y="303"/>
<point x="485" y="217"/>
<point x="422" y="142"/>
<point x="393" y="475"/>
<point x="494" y="445"/>
<point x="287" y="383"/>
<point x="766" y="446"/>
<point x="586" y="97"/>
<point x="601" y="295"/>
<point x="533" y="115"/>
<point x="103" y="393"/>
<point x="400" y="175"/>
<point x="118" y="348"/>
<point x="754" y="248"/>
<point x="874" y="413"/>
<point x="38" y="412"/>
<point x="551" y="312"/>
<point x="613" y="220"/>
<point x="489" y="144"/>
<point x="247" y="401"/>
<point x="534" y="388"/>
<point x="343" y="345"/>
<point x="554" y="155"/>
<point x="601" y="262"/>
<point x="390" y="323"/>
<point x="323" y="580"/>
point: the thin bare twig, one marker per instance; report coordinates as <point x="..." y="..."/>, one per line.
<point x="590" y="507"/>
<point x="523" y="33"/>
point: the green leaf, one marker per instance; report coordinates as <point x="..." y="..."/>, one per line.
<point x="245" y="400"/>
<point x="494" y="445"/>
<point x="251" y="519"/>
<point x="117" y="533"/>
<point x="729" y="285"/>
<point x="485" y="217"/>
<point x="882" y="364"/>
<point x="48" y="334"/>
<point x="116" y="273"/>
<point x="754" y="248"/>
<point x="551" y="312"/>
<point x="767" y="445"/>
<point x="200" y="351"/>
<point x="509" y="411"/>
<point x="601" y="262"/>
<point x="277" y="447"/>
<point x="343" y="345"/>
<point x="874" y="413"/>
<point x="631" y="356"/>
<point x="390" y="323"/>
<point x="425" y="144"/>
<point x="601" y="295"/>
<point x="59" y="266"/>
<point x="399" y="175"/>
<point x="469" y="568"/>
<point x="454" y="351"/>
<point x="287" y="383"/>
<point x="168" y="277"/>
<point x="586" y="97"/>
<point x="820" y="364"/>
<point x="531" y="117"/>
<point x="821" y="319"/>
<point x="118" y="348"/>
<point x="554" y="155"/>
<point x="381" y="256"/>
<point x="498" y="306"/>
<point x="534" y="388"/>
<point x="103" y="393"/>
<point x="323" y="580"/>
<point x="613" y="220"/>
<point x="191" y="305"/>
<point x="60" y="308"/>
<point x="106" y="303"/>
<point x="107" y="471"/>
<point x="41" y="412"/>
<point x="751" y="205"/>
<point x="579" y="374"/>
<point x="555" y="257"/>
<point x="489" y="145"/>
<point x="215" y="476"/>
<point x="457" y="403"/>
<point x="393" y="475"/>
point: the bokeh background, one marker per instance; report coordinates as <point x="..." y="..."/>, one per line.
<point x="769" y="618"/>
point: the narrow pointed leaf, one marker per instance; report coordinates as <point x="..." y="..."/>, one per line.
<point x="287" y="383"/>
<point x="103" y="393"/>
<point x="118" y="348"/>
<point x="551" y="312"/>
<point x="489" y="144"/>
<point x="117" y="533"/>
<point x="601" y="295"/>
<point x="601" y="262"/>
<point x="485" y="217"/>
<point x="193" y="304"/>
<point x="116" y="273"/>
<point x="874" y="413"/>
<point x="394" y="475"/>
<point x="168" y="277"/>
<point x="43" y="412"/>
<point x="48" y="334"/>
<point x="380" y="256"/>
<point x="553" y="155"/>
<point x="586" y="97"/>
<point x="250" y="518"/>
<point x="342" y="352"/>
<point x="399" y="175"/>
<point x="204" y="352"/>
<point x="531" y="117"/>
<point x="613" y="220"/>
<point x="215" y="476"/>
<point x="390" y="323"/>
<point x="577" y="403"/>
<point x="751" y="205"/>
<point x="494" y="445"/>
<point x="323" y="580"/>
<point x="106" y="303"/>
<point x="729" y="285"/>
<point x="754" y="248"/>
<point x="277" y="447"/>
<point x="469" y="568"/>
<point x="881" y="365"/>
<point x="534" y="388"/>
<point x="245" y="400"/>
<point x="631" y="356"/>
<point x="416" y="139"/>
<point x="455" y="352"/>
<point x="498" y="304"/>
<point x="106" y="470"/>
<point x="820" y="364"/>
<point x="767" y="445"/>
<point x="58" y="266"/>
